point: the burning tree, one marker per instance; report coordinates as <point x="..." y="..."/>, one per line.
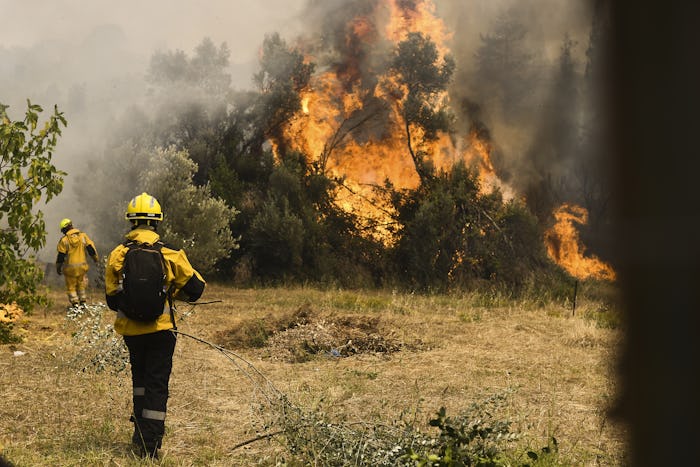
<point x="422" y="104"/>
<point x="346" y="161"/>
<point x="376" y="120"/>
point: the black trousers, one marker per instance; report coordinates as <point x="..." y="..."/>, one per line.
<point x="151" y="357"/>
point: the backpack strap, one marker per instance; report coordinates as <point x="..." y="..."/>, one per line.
<point x="172" y="307"/>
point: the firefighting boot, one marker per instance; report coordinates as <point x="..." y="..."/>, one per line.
<point x="137" y="439"/>
<point x="150" y="451"/>
<point x="82" y="297"/>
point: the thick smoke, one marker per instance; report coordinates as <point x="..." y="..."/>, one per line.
<point x="91" y="59"/>
<point x="92" y="62"/>
<point x="523" y="84"/>
<point x="524" y="102"/>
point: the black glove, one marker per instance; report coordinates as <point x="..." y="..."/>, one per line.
<point x="59" y="266"/>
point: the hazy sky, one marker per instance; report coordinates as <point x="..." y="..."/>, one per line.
<point x="152" y="24"/>
<point x="50" y="47"/>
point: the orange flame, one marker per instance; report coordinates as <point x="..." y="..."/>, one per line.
<point x="332" y="104"/>
<point x="564" y="247"/>
<point x="353" y="130"/>
<point x="405" y="17"/>
<point x="358" y="134"/>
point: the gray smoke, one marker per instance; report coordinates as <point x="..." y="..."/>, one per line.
<point x="519" y="80"/>
<point x="91" y="59"/>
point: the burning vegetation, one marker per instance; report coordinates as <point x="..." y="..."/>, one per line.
<point x="382" y="115"/>
<point x="358" y="160"/>
<point x="565" y="247"/>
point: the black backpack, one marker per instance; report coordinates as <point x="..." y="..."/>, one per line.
<point x="143" y="275"/>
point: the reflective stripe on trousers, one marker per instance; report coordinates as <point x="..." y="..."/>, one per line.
<point x="151" y="358"/>
<point x="153" y="415"/>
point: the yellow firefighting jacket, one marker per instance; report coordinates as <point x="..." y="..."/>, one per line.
<point x="72" y="250"/>
<point x="180" y="274"/>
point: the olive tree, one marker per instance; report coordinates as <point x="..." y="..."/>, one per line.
<point x="193" y="218"/>
<point x="27" y="177"/>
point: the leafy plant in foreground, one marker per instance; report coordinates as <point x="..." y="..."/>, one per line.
<point x="27" y="177"/>
<point x="473" y="438"/>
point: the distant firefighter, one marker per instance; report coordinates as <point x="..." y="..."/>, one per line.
<point x="73" y="249"/>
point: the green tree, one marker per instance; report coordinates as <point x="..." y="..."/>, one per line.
<point x="244" y="166"/>
<point x="441" y="233"/>
<point x="504" y="67"/>
<point x="276" y="241"/>
<point x="453" y="235"/>
<point x="422" y="104"/>
<point x="194" y="219"/>
<point x="27" y="177"/>
<point x="206" y="69"/>
<point x="283" y="74"/>
<point x="191" y="101"/>
<point x="298" y="232"/>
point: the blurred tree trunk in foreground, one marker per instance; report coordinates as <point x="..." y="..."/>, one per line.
<point x="655" y="98"/>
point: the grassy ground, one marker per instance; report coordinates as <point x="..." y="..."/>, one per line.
<point x="408" y="356"/>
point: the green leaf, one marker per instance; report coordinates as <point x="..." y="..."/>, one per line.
<point x="27" y="177"/>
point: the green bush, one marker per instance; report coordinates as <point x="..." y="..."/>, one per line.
<point x="474" y="438"/>
<point x="7" y="336"/>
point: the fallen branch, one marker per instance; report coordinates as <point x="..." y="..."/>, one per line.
<point x="257" y="438"/>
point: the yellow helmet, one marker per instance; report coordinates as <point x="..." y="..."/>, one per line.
<point x="144" y="207"/>
<point x="64" y="223"/>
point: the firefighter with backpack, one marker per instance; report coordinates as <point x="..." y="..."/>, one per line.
<point x="142" y="277"/>
<point x="71" y="261"/>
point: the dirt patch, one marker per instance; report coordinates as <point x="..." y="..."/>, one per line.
<point x="303" y="334"/>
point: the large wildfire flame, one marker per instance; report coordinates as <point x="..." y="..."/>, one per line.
<point x="343" y="127"/>
<point x="564" y="247"/>
<point x="351" y="126"/>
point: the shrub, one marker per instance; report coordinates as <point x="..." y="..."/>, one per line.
<point x="475" y="437"/>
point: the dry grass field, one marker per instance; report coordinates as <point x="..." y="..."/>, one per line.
<point x="354" y="357"/>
